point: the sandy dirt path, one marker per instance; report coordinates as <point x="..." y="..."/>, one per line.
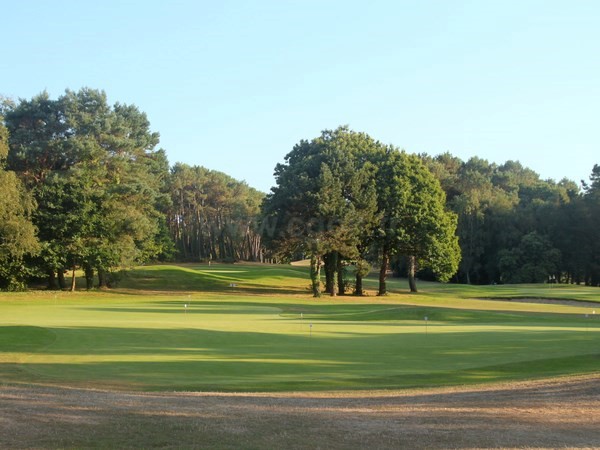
<point x="556" y="413"/>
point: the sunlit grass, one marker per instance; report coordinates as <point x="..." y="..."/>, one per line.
<point x="252" y="327"/>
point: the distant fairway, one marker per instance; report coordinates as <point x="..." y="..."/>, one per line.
<point x="248" y="328"/>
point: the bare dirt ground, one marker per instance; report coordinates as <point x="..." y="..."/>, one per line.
<point x="545" y="301"/>
<point x="555" y="413"/>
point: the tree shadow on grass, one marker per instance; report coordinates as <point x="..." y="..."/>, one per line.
<point x="357" y="312"/>
<point x="238" y="279"/>
<point x="204" y="359"/>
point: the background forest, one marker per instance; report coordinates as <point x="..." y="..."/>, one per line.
<point x="85" y="186"/>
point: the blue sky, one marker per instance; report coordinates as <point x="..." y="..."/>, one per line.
<point x="233" y="85"/>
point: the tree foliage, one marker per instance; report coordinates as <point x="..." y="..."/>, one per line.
<point x="343" y="194"/>
<point x="415" y="223"/>
<point x="212" y="216"/>
<point x="17" y="233"/>
<point x="97" y="178"/>
<point x="85" y="186"/>
<point x="515" y="227"/>
<point x="324" y="203"/>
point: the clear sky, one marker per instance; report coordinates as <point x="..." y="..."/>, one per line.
<point x="232" y="85"/>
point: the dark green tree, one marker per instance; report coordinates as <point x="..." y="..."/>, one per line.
<point x="17" y="233"/>
<point x="415" y="223"/>
<point x="591" y="219"/>
<point x="99" y="182"/>
<point x="534" y="260"/>
<point x="324" y="201"/>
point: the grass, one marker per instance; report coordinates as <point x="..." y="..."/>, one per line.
<point x="256" y="328"/>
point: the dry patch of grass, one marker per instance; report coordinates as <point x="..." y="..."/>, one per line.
<point x="555" y="413"/>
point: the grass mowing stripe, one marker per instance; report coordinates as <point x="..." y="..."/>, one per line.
<point x="253" y="339"/>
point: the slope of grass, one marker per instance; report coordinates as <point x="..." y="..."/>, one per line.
<point x="253" y="327"/>
<point x="251" y="278"/>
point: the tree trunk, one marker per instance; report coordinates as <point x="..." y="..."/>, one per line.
<point x="52" y="284"/>
<point x="62" y="284"/>
<point x="73" y="280"/>
<point x="315" y="275"/>
<point x="385" y="261"/>
<point x="358" y="290"/>
<point x="89" y="277"/>
<point x="101" y="278"/>
<point x="330" y="260"/>
<point x="362" y="270"/>
<point x="412" y="269"/>
<point x="340" y="276"/>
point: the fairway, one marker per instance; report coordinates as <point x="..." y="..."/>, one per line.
<point x="255" y="328"/>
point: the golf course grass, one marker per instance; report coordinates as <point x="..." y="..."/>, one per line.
<point x="256" y="328"/>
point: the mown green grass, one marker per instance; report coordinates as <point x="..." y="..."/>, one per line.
<point x="252" y="327"/>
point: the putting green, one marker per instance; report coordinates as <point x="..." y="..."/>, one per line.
<point x="193" y="331"/>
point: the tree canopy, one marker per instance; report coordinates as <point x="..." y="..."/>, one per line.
<point x="17" y="232"/>
<point x="86" y="187"/>
<point x="343" y="195"/>
<point x="415" y="223"/>
<point x="97" y="178"/>
<point x="515" y="227"/>
<point x="212" y="216"/>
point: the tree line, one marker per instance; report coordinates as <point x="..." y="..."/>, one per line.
<point x="344" y="199"/>
<point x="213" y="216"/>
<point x="86" y="187"/>
<point x="517" y="228"/>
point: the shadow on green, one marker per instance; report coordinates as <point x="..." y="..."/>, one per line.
<point x="202" y="359"/>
